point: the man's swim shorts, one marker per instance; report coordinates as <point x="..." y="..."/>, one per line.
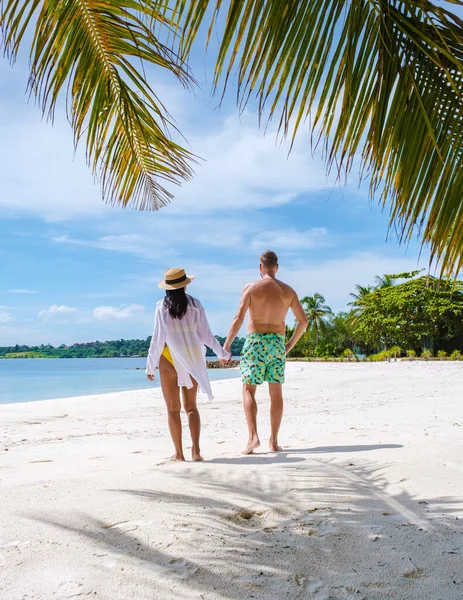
<point x="263" y="358"/>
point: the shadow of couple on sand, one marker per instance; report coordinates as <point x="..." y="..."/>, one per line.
<point x="292" y="455"/>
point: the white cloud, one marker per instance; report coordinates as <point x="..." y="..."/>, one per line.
<point x="132" y="243"/>
<point x="103" y="313"/>
<point x="21" y="291"/>
<point x="336" y="278"/>
<point x="167" y="235"/>
<point x="291" y="239"/>
<point x="56" y="310"/>
<point x="5" y="316"/>
<point x="39" y="173"/>
<point x="244" y="168"/>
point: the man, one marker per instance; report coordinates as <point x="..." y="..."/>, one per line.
<point x="264" y="353"/>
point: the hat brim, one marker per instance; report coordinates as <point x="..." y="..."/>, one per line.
<point x="176" y="286"/>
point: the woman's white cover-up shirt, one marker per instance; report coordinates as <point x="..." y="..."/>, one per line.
<point x="186" y="339"/>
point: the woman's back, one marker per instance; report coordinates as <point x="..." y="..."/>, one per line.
<point x="183" y="327"/>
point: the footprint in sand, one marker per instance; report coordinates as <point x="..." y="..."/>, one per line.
<point x="72" y="589"/>
<point x="318" y="591"/>
<point x="178" y="568"/>
<point x="414" y="574"/>
<point x="315" y="523"/>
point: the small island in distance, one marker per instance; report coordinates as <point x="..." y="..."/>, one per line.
<point x="108" y="349"/>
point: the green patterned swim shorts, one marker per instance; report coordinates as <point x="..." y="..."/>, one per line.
<point x="263" y="358"/>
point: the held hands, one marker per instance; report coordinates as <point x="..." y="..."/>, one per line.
<point x="150" y="377"/>
<point x="224" y="362"/>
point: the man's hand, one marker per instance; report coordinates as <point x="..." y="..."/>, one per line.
<point x="150" y="377"/>
<point x="224" y="361"/>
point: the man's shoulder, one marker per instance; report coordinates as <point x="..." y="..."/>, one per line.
<point x="287" y="288"/>
<point x="248" y="287"/>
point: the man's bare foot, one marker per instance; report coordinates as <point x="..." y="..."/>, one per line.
<point x="274" y="446"/>
<point x="252" y="445"/>
<point x="196" y="455"/>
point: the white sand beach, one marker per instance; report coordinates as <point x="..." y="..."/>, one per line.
<point x="364" y="502"/>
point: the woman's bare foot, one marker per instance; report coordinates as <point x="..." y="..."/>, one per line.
<point x="177" y="458"/>
<point x="196" y="455"/>
<point x="252" y="445"/>
<point x="274" y="446"/>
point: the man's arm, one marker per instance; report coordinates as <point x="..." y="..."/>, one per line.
<point x="239" y="318"/>
<point x="302" y="322"/>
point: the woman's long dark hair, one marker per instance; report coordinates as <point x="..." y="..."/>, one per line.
<point x="176" y="301"/>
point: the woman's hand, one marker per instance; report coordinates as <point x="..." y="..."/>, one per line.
<point x="226" y="361"/>
<point x="150" y="377"/>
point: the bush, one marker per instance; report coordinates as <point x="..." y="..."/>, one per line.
<point x="442" y="354"/>
<point x="456" y="355"/>
<point x="325" y="349"/>
<point x="411" y="354"/>
<point x="348" y="353"/>
<point x="395" y="351"/>
<point x="426" y="354"/>
<point x="384" y="355"/>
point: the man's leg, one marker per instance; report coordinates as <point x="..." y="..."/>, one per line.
<point x="250" y="410"/>
<point x="276" y="413"/>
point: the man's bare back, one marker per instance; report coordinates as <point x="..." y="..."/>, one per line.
<point x="264" y="354"/>
<point x="269" y="302"/>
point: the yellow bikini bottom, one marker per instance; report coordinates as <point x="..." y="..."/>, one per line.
<point x="166" y="353"/>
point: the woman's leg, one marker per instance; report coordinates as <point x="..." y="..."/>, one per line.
<point x="170" y="390"/>
<point x="194" y="421"/>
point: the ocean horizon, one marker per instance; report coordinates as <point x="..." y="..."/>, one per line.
<point x="34" y="379"/>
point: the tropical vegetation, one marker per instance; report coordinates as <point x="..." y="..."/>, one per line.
<point x="412" y="315"/>
<point x="379" y="82"/>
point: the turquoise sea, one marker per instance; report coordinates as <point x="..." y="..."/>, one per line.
<point x="26" y="380"/>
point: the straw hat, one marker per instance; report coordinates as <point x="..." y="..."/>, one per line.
<point x="175" y="279"/>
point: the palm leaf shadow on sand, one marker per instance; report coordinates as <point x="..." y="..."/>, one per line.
<point x="286" y="456"/>
<point x="322" y="530"/>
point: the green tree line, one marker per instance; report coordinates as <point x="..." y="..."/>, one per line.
<point x="109" y="349"/>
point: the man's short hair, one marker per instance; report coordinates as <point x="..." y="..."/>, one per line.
<point x="269" y="259"/>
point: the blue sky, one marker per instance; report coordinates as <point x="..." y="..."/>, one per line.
<point x="74" y="269"/>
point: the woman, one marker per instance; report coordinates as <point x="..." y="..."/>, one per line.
<point x="181" y="332"/>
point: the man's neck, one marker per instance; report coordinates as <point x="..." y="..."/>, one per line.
<point x="269" y="276"/>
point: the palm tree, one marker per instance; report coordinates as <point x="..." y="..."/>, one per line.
<point x="357" y="303"/>
<point x="381" y="81"/>
<point x="94" y="53"/>
<point x="317" y="314"/>
<point x="359" y="295"/>
<point x="385" y="281"/>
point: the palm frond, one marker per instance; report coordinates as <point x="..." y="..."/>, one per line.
<point x="382" y="79"/>
<point x="94" y="52"/>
